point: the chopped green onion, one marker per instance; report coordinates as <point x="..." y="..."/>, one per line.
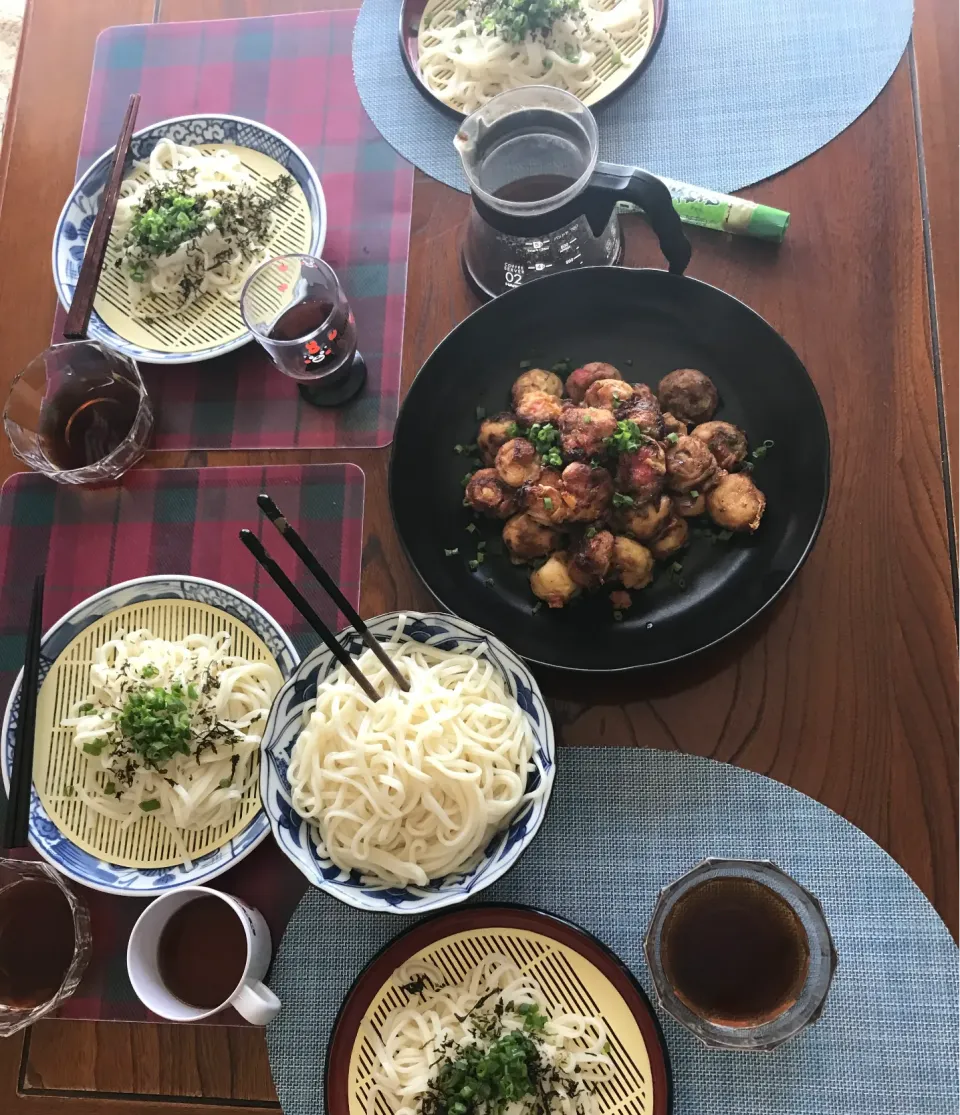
<point x="693" y="493"/>
<point x="481" y="413"/>
<point x="676" y="567"/>
<point x="473" y="564"/>
<point x="536" y="607"/>
<point x="622" y="500"/>
<point x="590" y="532"/>
<point x="524" y="364"/>
<point x="481" y="545"/>
<point x="95" y="747"/>
<point x="149" y="805"/>
<point x="110" y="788"/>
<point x="224" y="783"/>
<point x="465" y="479"/>
<point x="68" y="791"/>
<point x="548" y="503"/>
<point x="471" y="528"/>
<point x="450" y="553"/>
<point x="725" y="535"/>
<point x="618" y="616"/>
<point x="149" y="671"/>
<point x="673" y="438"/>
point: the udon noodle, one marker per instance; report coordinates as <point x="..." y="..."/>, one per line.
<point x="411" y="787"/>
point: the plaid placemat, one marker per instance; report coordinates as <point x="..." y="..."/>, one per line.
<point x="173" y="521"/>
<point x="623" y="823"/>
<point x="293" y="73"/>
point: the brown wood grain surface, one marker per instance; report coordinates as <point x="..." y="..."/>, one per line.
<point x="847" y="689"/>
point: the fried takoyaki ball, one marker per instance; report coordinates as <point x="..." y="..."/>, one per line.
<point x="688" y="394"/>
<point x="552" y="582"/>
<point x="542" y="499"/>
<point x="728" y="443"/>
<point x="641" y="473"/>
<point x="644" y="410"/>
<point x="580" y="379"/>
<point x="590" y="559"/>
<point x="673" y="425"/>
<point x="673" y="537"/>
<point x="587" y="492"/>
<point x="736" y="503"/>
<point x="538" y="406"/>
<point x="527" y="539"/>
<point x="487" y="493"/>
<point x="495" y="432"/>
<point x="608" y="393"/>
<point x="690" y="505"/>
<point x="582" y="430"/>
<point x="518" y="462"/>
<point x="645" y="520"/>
<point x="536" y="380"/>
<point x="632" y="563"/>
<point x="690" y="465"/>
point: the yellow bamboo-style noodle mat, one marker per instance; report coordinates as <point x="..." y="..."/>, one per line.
<point x="58" y="764"/>
<point x="568" y="980"/>
<point x="610" y="74"/>
<point x="212" y="319"/>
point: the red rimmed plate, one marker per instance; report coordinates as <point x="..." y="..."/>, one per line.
<point x="575" y="970"/>
<point x="609" y="86"/>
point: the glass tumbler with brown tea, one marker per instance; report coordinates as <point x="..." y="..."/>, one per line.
<point x="44" y="942"/>
<point x="740" y="954"/>
<point x="79" y="413"/>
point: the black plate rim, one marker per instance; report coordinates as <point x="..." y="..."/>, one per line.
<point x="455" y="114"/>
<point x="523" y="907"/>
<point x="633" y="666"/>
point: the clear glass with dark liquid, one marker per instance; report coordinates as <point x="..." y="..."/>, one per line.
<point x="79" y="413"/>
<point x="740" y="954"/>
<point x="44" y="942"/>
<point x="297" y="311"/>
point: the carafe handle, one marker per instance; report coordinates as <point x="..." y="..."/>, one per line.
<point x="611" y="183"/>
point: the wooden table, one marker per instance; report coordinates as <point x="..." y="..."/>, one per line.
<point x="847" y="689"/>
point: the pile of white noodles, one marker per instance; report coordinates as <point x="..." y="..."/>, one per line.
<point x="412" y="787"/>
<point x="216" y="261"/>
<point x="417" y="1037"/>
<point x="466" y="65"/>
<point x="228" y="698"/>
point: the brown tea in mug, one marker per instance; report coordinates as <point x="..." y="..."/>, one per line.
<point x="36" y="942"/>
<point x="85" y="422"/>
<point x="735" y="952"/>
<point x="202" y="952"/>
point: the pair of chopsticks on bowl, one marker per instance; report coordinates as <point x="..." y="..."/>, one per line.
<point x="81" y="307"/>
<point x="16" y="820"/>
<point x="329" y="585"/>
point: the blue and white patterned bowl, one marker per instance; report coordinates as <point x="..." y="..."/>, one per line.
<point x="294" y="703"/>
<point x="76" y="220"/>
<point x="62" y="853"/>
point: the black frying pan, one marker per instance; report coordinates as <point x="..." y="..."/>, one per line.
<point x="645" y="322"/>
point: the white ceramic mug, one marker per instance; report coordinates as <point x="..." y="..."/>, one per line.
<point x="252" y="998"/>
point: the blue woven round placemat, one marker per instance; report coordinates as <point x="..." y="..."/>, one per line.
<point x="738" y="90"/>
<point x="622" y="823"/>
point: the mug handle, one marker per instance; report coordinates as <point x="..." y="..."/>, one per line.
<point x="256" y="1002"/>
<point x="611" y="183"/>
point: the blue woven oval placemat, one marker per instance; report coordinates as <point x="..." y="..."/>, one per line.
<point x="738" y="90"/>
<point x="621" y="824"/>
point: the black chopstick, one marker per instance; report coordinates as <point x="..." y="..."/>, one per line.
<point x="16" y="822"/>
<point x="292" y="593"/>
<point x="78" y="316"/>
<point x="329" y="585"/>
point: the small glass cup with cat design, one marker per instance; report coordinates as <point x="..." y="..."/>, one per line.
<point x="297" y="311"/>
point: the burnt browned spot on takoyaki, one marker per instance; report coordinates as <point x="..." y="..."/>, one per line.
<point x="488" y="494"/>
<point x="587" y="492"/>
<point x="580" y="378"/>
<point x="583" y="430"/>
<point x="690" y="466"/>
<point x="590" y="559"/>
<point x="518" y="462"/>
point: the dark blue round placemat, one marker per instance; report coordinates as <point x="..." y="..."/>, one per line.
<point x="622" y="824"/>
<point x="738" y="90"/>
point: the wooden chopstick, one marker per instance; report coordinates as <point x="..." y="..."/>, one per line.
<point x="78" y="316"/>
<point x="329" y="585"/>
<point x="17" y="819"/>
<point x="292" y="593"/>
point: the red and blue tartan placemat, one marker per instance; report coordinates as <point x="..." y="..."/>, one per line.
<point x="295" y="74"/>
<point x="173" y="521"/>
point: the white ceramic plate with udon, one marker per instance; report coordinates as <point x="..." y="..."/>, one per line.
<point x="296" y="700"/>
<point x="208" y="327"/>
<point x="63" y="853"/>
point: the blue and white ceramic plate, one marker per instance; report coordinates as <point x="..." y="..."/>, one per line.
<point x="294" y="703"/>
<point x="76" y="220"/>
<point x="57" y="849"/>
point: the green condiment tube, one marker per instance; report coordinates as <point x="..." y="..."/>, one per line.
<point x="723" y="212"/>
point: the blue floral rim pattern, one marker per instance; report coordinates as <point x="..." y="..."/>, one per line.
<point x="293" y="833"/>
<point x="76" y="219"/>
<point x="57" y="849"/>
